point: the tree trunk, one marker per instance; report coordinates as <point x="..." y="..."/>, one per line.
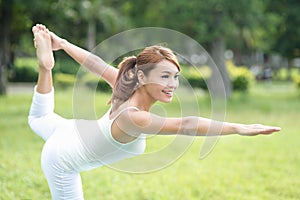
<point x="219" y="80"/>
<point x="289" y="70"/>
<point x="5" y="20"/>
<point x="91" y="35"/>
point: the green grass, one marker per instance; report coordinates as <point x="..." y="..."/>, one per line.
<point x="247" y="168"/>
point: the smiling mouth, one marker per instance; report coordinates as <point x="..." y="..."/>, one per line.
<point x="168" y="92"/>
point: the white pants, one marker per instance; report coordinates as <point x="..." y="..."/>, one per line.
<point x="63" y="184"/>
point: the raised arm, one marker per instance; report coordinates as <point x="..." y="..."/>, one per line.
<point x="85" y="58"/>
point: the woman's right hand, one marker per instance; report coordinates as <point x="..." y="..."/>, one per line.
<point x="57" y="42"/>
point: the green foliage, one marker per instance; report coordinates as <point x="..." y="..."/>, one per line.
<point x="241" y="78"/>
<point x="296" y="79"/>
<point x="65" y="75"/>
<point x="66" y="66"/>
<point x="246" y="26"/>
<point x="89" y="80"/>
<point x="242" y="24"/>
<point x="285" y="74"/>
<point x="196" y="77"/>
<point x="93" y="82"/>
<point x="25" y="70"/>
<point x="286" y="43"/>
<point x="281" y="75"/>
<point x="64" y="80"/>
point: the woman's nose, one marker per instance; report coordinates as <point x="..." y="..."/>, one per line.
<point x="173" y="83"/>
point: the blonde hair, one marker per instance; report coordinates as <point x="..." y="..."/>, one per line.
<point x="127" y="81"/>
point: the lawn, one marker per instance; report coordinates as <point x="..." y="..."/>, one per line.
<point x="238" y="167"/>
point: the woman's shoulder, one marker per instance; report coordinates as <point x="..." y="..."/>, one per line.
<point x="122" y="110"/>
<point x="139" y="119"/>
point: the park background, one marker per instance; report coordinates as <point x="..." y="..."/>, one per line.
<point x="256" y="47"/>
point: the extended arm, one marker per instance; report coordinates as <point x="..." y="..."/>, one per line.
<point x="203" y="126"/>
<point x="85" y="58"/>
<point x="148" y="123"/>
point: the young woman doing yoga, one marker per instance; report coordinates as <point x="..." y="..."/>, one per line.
<point x="75" y="145"/>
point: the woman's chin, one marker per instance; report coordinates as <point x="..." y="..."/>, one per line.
<point x="166" y="100"/>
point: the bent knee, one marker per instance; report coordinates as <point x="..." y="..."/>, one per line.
<point x="45" y="126"/>
<point x="36" y="126"/>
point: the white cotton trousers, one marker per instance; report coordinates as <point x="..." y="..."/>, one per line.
<point x="64" y="184"/>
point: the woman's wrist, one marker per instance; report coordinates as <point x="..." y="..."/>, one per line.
<point x="235" y="128"/>
<point x="58" y="43"/>
<point x="63" y="44"/>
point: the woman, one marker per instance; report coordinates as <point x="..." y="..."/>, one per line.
<point x="76" y="145"/>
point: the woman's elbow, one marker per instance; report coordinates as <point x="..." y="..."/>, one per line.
<point x="189" y="126"/>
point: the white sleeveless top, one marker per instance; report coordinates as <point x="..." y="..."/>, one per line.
<point x="94" y="146"/>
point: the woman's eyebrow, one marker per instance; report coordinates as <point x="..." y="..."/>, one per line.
<point x="168" y="72"/>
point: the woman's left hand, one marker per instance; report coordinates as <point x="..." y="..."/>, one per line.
<point x="256" y="129"/>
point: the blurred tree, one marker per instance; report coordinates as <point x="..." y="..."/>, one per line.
<point x="98" y="19"/>
<point x="287" y="33"/>
<point x="5" y="21"/>
<point x="212" y="23"/>
<point x="96" y="16"/>
<point x="216" y="24"/>
<point x="288" y="30"/>
<point x="16" y="20"/>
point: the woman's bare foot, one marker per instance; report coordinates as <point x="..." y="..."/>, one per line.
<point x="42" y="43"/>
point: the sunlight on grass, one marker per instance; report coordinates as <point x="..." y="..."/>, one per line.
<point x="262" y="167"/>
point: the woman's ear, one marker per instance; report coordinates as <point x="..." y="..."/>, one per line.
<point x="141" y="77"/>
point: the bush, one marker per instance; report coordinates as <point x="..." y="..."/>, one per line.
<point x="296" y="80"/>
<point x="23" y="74"/>
<point x="196" y="77"/>
<point x="91" y="81"/>
<point x="64" y="80"/>
<point x="25" y="70"/>
<point x="65" y="71"/>
<point x="285" y="74"/>
<point x="241" y="77"/>
<point x="66" y="66"/>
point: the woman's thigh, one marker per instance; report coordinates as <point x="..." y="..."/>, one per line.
<point x="63" y="184"/>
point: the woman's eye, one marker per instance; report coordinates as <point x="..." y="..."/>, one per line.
<point x="165" y="76"/>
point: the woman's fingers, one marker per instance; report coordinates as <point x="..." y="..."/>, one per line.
<point x="256" y="129"/>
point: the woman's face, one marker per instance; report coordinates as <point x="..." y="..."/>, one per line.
<point x="161" y="82"/>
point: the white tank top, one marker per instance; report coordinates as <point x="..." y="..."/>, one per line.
<point x="94" y="146"/>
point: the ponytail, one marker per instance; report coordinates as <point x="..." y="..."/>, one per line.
<point x="126" y="82"/>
